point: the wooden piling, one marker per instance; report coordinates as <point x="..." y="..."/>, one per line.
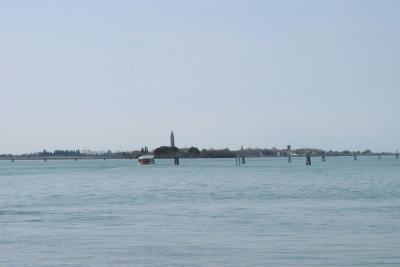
<point x="323" y="157"/>
<point x="355" y="157"/>
<point x="289" y="159"/>
<point x="242" y="155"/>
<point x="308" y="159"/>
<point x="379" y="156"/>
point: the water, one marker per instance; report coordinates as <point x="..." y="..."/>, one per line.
<point x="205" y="212"/>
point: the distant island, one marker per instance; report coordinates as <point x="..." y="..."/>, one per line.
<point x="165" y="152"/>
<point x="171" y="151"/>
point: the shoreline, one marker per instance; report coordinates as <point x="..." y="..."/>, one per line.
<point x="126" y="158"/>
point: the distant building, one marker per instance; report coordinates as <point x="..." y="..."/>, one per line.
<point x="172" y="139"/>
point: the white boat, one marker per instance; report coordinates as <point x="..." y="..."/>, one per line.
<point x="146" y="160"/>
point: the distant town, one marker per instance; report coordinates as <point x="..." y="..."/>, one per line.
<point x="190" y="152"/>
<point x="172" y="151"/>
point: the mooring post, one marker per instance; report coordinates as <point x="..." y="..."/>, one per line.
<point x="397" y="155"/>
<point x="355" y="156"/>
<point x="176" y="160"/>
<point x="308" y="159"/>
<point x="323" y="157"/>
<point x="76" y="159"/>
<point x="379" y="156"/>
<point x="289" y="152"/>
<point x="12" y="160"/>
<point x="289" y="158"/>
<point x="236" y="160"/>
<point x="242" y="155"/>
<point x="45" y="159"/>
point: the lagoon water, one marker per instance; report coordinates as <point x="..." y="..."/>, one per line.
<point x="205" y="212"/>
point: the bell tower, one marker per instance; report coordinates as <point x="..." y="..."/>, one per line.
<point x="172" y="139"/>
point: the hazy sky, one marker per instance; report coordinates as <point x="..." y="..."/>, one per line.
<point x="121" y="74"/>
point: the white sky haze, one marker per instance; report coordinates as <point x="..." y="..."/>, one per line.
<point x="122" y="74"/>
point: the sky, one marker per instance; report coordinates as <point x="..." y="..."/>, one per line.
<point x="120" y="74"/>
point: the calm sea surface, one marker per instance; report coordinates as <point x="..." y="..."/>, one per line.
<point x="204" y="212"/>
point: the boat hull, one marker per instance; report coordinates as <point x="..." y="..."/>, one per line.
<point x="146" y="161"/>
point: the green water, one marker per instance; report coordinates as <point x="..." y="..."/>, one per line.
<point x="205" y="212"/>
